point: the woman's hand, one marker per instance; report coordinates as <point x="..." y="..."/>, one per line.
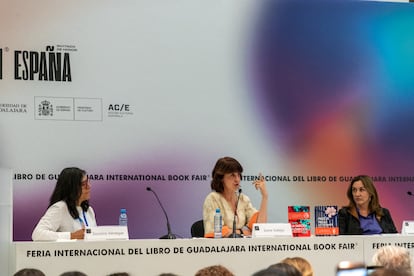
<point x="246" y="231"/>
<point x="78" y="235"/>
<point x="260" y="185"/>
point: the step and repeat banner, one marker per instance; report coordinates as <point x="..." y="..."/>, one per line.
<point x="151" y="93"/>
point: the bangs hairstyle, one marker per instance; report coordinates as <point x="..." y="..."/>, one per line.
<point x="224" y="165"/>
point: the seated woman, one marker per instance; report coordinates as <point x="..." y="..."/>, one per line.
<point x="69" y="212"/>
<point x="225" y="182"/>
<point x="364" y="214"/>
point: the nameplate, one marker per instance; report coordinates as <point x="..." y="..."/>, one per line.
<point x="106" y="233"/>
<point x="262" y="230"/>
<point x="407" y="227"/>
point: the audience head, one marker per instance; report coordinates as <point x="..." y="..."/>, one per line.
<point x="119" y="274"/>
<point x="301" y="264"/>
<point x="266" y="272"/>
<point x="223" y="166"/>
<point x="73" y="273"/>
<point x="393" y="257"/>
<point x="214" y="270"/>
<point x="29" y="272"/>
<point x="390" y="272"/>
<point x="279" y="269"/>
<point x="285" y="269"/>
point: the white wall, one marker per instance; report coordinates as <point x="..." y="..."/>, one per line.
<point x="6" y="249"/>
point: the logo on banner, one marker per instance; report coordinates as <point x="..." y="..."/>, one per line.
<point x="13" y="108"/>
<point x="53" y="64"/>
<point x="45" y="108"/>
<point x="68" y="109"/>
<point x="119" y="110"/>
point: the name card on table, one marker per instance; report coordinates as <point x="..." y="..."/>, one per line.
<point x="106" y="233"/>
<point x="407" y="227"/>
<point x="266" y="230"/>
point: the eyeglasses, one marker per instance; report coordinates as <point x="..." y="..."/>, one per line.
<point x="85" y="183"/>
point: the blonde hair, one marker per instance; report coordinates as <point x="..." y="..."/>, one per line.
<point x="301" y="264"/>
<point x="393" y="257"/>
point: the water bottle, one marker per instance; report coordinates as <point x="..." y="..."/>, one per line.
<point x="123" y="218"/>
<point x="217" y="224"/>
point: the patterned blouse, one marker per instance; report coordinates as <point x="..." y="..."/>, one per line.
<point x="214" y="200"/>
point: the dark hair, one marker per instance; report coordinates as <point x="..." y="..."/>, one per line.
<point x="73" y="273"/>
<point x="277" y="271"/>
<point x="284" y="269"/>
<point x="69" y="188"/>
<point x="224" y="165"/>
<point x="29" y="272"/>
<point x="374" y="205"/>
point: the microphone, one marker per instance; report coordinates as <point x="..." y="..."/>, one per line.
<point x="234" y="234"/>
<point x="169" y="235"/>
<point x="410" y="193"/>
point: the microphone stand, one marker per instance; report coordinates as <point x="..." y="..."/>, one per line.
<point x="234" y="235"/>
<point x="169" y="236"/>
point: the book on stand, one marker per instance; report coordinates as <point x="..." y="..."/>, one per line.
<point x="300" y="219"/>
<point x="326" y="220"/>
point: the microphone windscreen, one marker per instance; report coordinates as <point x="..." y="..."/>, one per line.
<point x="148" y="189"/>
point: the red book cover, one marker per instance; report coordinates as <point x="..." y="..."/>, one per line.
<point x="299" y="219"/>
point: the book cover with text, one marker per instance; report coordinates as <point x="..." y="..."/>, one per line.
<point x="326" y="220"/>
<point x="299" y="219"/>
